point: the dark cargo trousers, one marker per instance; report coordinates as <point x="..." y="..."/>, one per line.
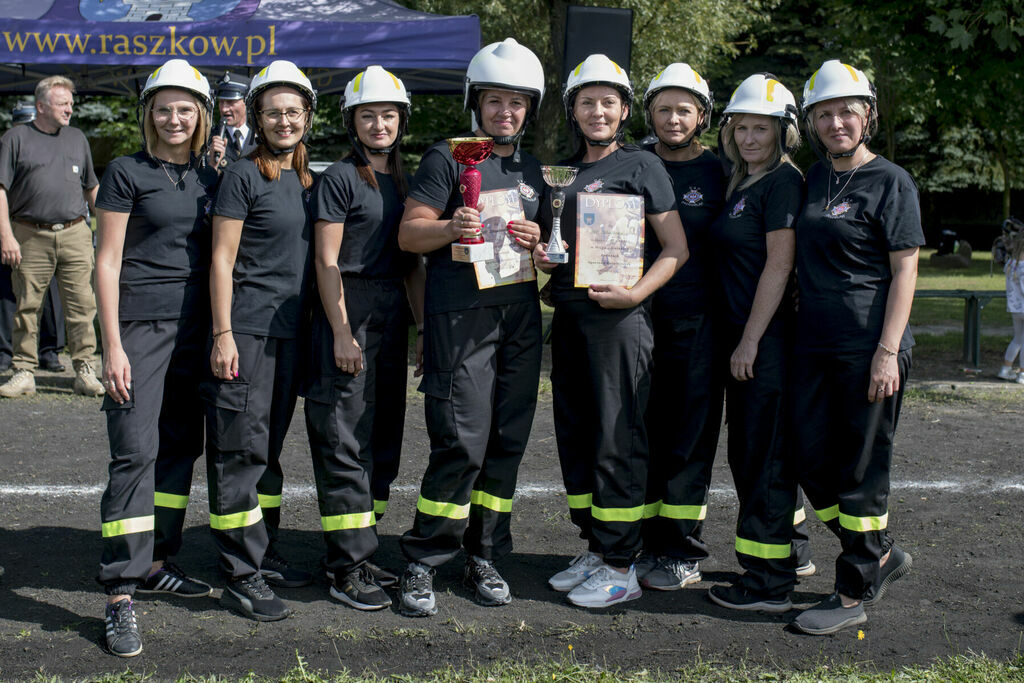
<point x="600" y="380"/>
<point x="155" y="439"/>
<point x="843" y="447"/>
<point x="482" y="369"/>
<point x="355" y="423"/>
<point x="241" y="418"/>
<point x="52" y="337"/>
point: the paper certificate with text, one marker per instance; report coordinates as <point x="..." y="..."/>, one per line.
<point x="609" y="239"/>
<point x="512" y="263"/>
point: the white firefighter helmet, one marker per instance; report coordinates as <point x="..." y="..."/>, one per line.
<point x="506" y="65"/>
<point x="763" y="94"/>
<point x="374" y="85"/>
<point x="178" y="73"/>
<point x="836" y="79"/>
<point x="596" y="70"/>
<point x="681" y="75"/>
<point x="280" y="72"/>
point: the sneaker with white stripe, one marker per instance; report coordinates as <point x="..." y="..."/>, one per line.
<point x="171" y="580"/>
<point x="123" y="637"/>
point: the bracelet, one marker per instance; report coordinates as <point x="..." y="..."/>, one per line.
<point x="217" y="334"/>
<point x="886" y="349"/>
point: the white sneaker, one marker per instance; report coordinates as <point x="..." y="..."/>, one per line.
<point x="1007" y="372"/>
<point x="22" y="383"/>
<point x="606" y="587"/>
<point x="580" y="569"/>
<point x="86" y="383"/>
<point x="1020" y="378"/>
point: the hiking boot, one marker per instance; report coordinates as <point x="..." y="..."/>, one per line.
<point x="86" y="383"/>
<point x="382" y="577"/>
<point x="21" y="383"/>
<point x="1008" y="373"/>
<point x="606" y="587"/>
<point x="277" y="572"/>
<point x="490" y="590"/>
<point x="671" y="574"/>
<point x="251" y="596"/>
<point x="806" y="569"/>
<point x="896" y="567"/>
<point x="735" y="596"/>
<point x="417" y="591"/>
<point x="829" y="616"/>
<point x="358" y="589"/>
<point x="580" y="569"/>
<point x="170" y="580"/>
<point x="123" y="637"/>
<point x="644" y="564"/>
<point x="51" y="362"/>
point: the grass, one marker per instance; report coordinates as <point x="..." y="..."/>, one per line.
<point x="980" y="276"/>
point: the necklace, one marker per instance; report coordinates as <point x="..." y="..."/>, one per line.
<point x="181" y="178"/>
<point x="828" y="187"/>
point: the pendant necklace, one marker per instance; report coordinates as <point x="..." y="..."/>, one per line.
<point x="828" y="186"/>
<point x="181" y="178"/>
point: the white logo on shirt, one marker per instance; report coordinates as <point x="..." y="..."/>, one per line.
<point x="74" y="168"/>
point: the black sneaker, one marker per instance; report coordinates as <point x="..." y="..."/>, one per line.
<point x="252" y="597"/>
<point x="896" y="567"/>
<point x="829" y="616"/>
<point x="382" y="577"/>
<point x="738" y="597"/>
<point x="359" y="590"/>
<point x="51" y="363"/>
<point x="417" y="591"/>
<point x="489" y="589"/>
<point x="123" y="637"/>
<point x="277" y="572"/>
<point x="170" y="580"/>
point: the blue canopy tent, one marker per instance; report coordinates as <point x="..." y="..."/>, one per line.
<point x="110" y="46"/>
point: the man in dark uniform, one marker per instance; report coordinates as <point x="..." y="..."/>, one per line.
<point x="47" y="186"/>
<point x="51" y="322"/>
<point x="232" y="139"/>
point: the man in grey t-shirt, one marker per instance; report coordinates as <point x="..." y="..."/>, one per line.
<point x="47" y="186"/>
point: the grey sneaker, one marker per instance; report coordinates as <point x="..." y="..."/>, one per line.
<point x="86" y="383"/>
<point x="22" y="383"/>
<point x="735" y="596"/>
<point x="416" y="595"/>
<point x="806" y="569"/>
<point x="644" y="564"/>
<point x="896" y="567"/>
<point x="580" y="569"/>
<point x="251" y="596"/>
<point x="123" y="637"/>
<point x="829" y="616"/>
<point x="171" y="580"/>
<point x="490" y="590"/>
<point x="1008" y="373"/>
<point x="278" y="572"/>
<point x="671" y="574"/>
<point x="358" y="589"/>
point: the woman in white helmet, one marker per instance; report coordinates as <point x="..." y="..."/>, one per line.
<point x="355" y="404"/>
<point x="857" y="246"/>
<point x="482" y="346"/>
<point x="151" y="274"/>
<point x="685" y="408"/>
<point x="752" y="242"/>
<point x="602" y="341"/>
<point x="259" y="284"/>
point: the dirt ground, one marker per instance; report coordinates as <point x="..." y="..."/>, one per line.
<point x="955" y="506"/>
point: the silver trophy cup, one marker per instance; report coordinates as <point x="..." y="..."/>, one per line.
<point x="557" y="177"/>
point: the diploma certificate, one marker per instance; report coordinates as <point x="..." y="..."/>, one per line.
<point x="512" y="263"/>
<point x="609" y="239"/>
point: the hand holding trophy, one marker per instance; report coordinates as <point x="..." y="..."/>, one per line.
<point x="557" y="177"/>
<point x="469" y="152"/>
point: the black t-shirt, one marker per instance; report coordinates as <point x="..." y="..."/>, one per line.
<point x="166" y="257"/>
<point x="627" y="170"/>
<point x="369" y="246"/>
<point x="700" y="194"/>
<point x="739" y="245"/>
<point x="842" y="253"/>
<point x="451" y="285"/>
<point x="44" y="174"/>
<point x="272" y="269"/>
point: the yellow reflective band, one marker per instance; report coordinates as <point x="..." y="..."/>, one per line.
<point x="263" y="72"/>
<point x="828" y="514"/>
<point x="358" y="81"/>
<point x="863" y="523"/>
<point x="393" y="78"/>
<point x="853" y="73"/>
<point x="576" y="71"/>
<point x="380" y="507"/>
<point x="658" y="77"/>
<point x="236" y="520"/>
<point x="268" y="501"/>
<point x="770" y="96"/>
<point x="799" y="516"/>
<point x="170" y="500"/>
<point x="580" y="501"/>
<point x="490" y="502"/>
<point x="449" y="510"/>
<point x="766" y="551"/>
<point x="684" y="511"/>
<point x="651" y="510"/>
<point x="353" y="520"/>
<point x="814" y="76"/>
<point x="697" y="76"/>
<point x="131" y="525"/>
<point x="617" y="514"/>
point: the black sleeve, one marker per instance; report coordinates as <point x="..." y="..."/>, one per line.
<point x="901" y="216"/>
<point x="784" y="199"/>
<point x="659" y="193"/>
<point x="117" y="190"/>
<point x="332" y="197"/>
<point x="233" y="195"/>
<point x="435" y="179"/>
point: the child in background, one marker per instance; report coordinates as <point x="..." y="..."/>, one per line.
<point x="1014" y="269"/>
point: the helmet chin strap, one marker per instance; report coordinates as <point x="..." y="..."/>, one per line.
<point x="619" y="136"/>
<point x="864" y="140"/>
<point x="681" y="145"/>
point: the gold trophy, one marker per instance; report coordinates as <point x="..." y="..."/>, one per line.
<point x="469" y="152"/>
<point x="557" y="177"/>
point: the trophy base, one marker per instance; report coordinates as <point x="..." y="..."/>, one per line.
<point x="472" y="253"/>
<point x="558" y="257"/>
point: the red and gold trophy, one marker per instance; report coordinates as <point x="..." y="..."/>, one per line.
<point x="469" y="152"/>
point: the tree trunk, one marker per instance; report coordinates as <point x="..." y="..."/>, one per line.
<point x="1007" y="171"/>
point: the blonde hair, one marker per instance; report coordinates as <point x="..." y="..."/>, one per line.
<point x="858" y="105"/>
<point x="44" y="86"/>
<point x="199" y="135"/>
<point x="740" y="179"/>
